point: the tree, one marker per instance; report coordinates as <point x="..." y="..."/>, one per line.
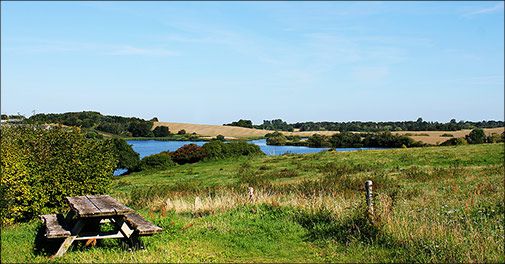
<point x="161" y="131"/>
<point x="154" y="119"/>
<point x="241" y="123"/>
<point x="476" y="136"/>
<point x="127" y="158"/>
<point x="220" y="137"/>
<point x="181" y="132"/>
<point x="140" y="129"/>
<point x="189" y="153"/>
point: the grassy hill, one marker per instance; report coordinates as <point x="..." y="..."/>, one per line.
<point x="435" y="204"/>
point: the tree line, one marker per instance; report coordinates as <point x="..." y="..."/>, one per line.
<point x="359" y="126"/>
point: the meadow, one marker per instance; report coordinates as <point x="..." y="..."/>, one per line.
<point x="432" y="204"/>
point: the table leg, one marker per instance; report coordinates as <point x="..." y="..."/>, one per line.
<point x="69" y="240"/>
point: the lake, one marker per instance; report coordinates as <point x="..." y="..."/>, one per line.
<point x="150" y="147"/>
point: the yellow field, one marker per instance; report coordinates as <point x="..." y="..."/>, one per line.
<point x="231" y="132"/>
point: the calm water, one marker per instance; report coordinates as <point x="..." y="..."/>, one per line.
<point x="150" y="147"/>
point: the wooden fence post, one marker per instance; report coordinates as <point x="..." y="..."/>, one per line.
<point x="251" y="194"/>
<point x="369" y="201"/>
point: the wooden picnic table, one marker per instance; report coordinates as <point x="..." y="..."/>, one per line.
<point x="85" y="216"/>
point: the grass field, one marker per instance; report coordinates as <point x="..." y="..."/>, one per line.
<point x="231" y="132"/>
<point x="434" y="204"/>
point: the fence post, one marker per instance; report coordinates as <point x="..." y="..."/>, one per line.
<point x="369" y="201"/>
<point x="251" y="194"/>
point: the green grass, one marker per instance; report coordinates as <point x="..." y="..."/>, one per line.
<point x="435" y="204"/>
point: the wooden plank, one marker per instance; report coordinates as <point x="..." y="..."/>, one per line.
<point x="108" y="205"/>
<point x="83" y="206"/>
<point x="99" y="236"/>
<point x="69" y="240"/>
<point x="55" y="226"/>
<point x="139" y="224"/>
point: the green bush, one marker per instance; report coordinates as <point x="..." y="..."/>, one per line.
<point x="127" y="158"/>
<point x="454" y="142"/>
<point x="41" y="167"/>
<point x="216" y="149"/>
<point x="161" y="160"/>
<point x="476" y="136"/>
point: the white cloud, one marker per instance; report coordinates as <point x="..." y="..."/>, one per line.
<point x="488" y="10"/>
<point x="54" y="46"/>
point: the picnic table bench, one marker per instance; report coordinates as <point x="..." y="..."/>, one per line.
<point x="85" y="216"/>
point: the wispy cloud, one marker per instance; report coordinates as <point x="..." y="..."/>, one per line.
<point x="54" y="46"/>
<point x="487" y="10"/>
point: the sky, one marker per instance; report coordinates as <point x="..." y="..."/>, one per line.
<point x="217" y="62"/>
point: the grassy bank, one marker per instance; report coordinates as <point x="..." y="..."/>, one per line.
<point x="437" y="204"/>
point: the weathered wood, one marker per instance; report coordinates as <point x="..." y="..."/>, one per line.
<point x="369" y="201"/>
<point x="97" y="205"/>
<point x="108" y="205"/>
<point x="55" y="226"/>
<point x="83" y="206"/>
<point x="139" y="224"/>
<point x="69" y="240"/>
<point x="99" y="236"/>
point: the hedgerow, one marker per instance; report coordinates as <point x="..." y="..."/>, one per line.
<point x="40" y="167"/>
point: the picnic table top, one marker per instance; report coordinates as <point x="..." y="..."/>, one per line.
<point x="97" y="205"/>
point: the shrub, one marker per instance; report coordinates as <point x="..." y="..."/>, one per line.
<point x="219" y="150"/>
<point x="189" y="153"/>
<point x="318" y="141"/>
<point x="276" y="139"/>
<point x="127" y="158"/>
<point x="41" y="167"/>
<point x="495" y="138"/>
<point x="476" y="136"/>
<point x="161" y="160"/>
<point x="182" y="132"/>
<point x="454" y="142"/>
<point x="447" y="135"/>
<point x="161" y="131"/>
<point x="220" y="137"/>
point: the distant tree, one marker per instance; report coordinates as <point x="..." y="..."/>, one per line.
<point x="161" y="131"/>
<point x="181" y="132"/>
<point x="318" y="141"/>
<point x="476" y="136"/>
<point x="4" y="117"/>
<point x="154" y="119"/>
<point x="127" y="158"/>
<point x="140" y="129"/>
<point x="241" y="123"/>
<point x="220" y="137"/>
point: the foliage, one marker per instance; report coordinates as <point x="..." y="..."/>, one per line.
<point x="161" y="131"/>
<point x="318" y="141"/>
<point x="216" y="149"/>
<point x="276" y="124"/>
<point x="123" y="126"/>
<point x="220" y="137"/>
<point x="276" y="139"/>
<point x="189" y="153"/>
<point x="418" y="125"/>
<point x="127" y="158"/>
<point x="140" y="129"/>
<point x="181" y="132"/>
<point x="476" y="136"/>
<point x="454" y="142"/>
<point x="41" y="167"/>
<point x="346" y="140"/>
<point x="241" y="123"/>
<point x="161" y="160"/>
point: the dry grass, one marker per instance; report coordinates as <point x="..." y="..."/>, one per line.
<point x="203" y="205"/>
<point x="434" y="137"/>
<point x="231" y="132"/>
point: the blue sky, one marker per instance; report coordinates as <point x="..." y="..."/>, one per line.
<point x="216" y="62"/>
